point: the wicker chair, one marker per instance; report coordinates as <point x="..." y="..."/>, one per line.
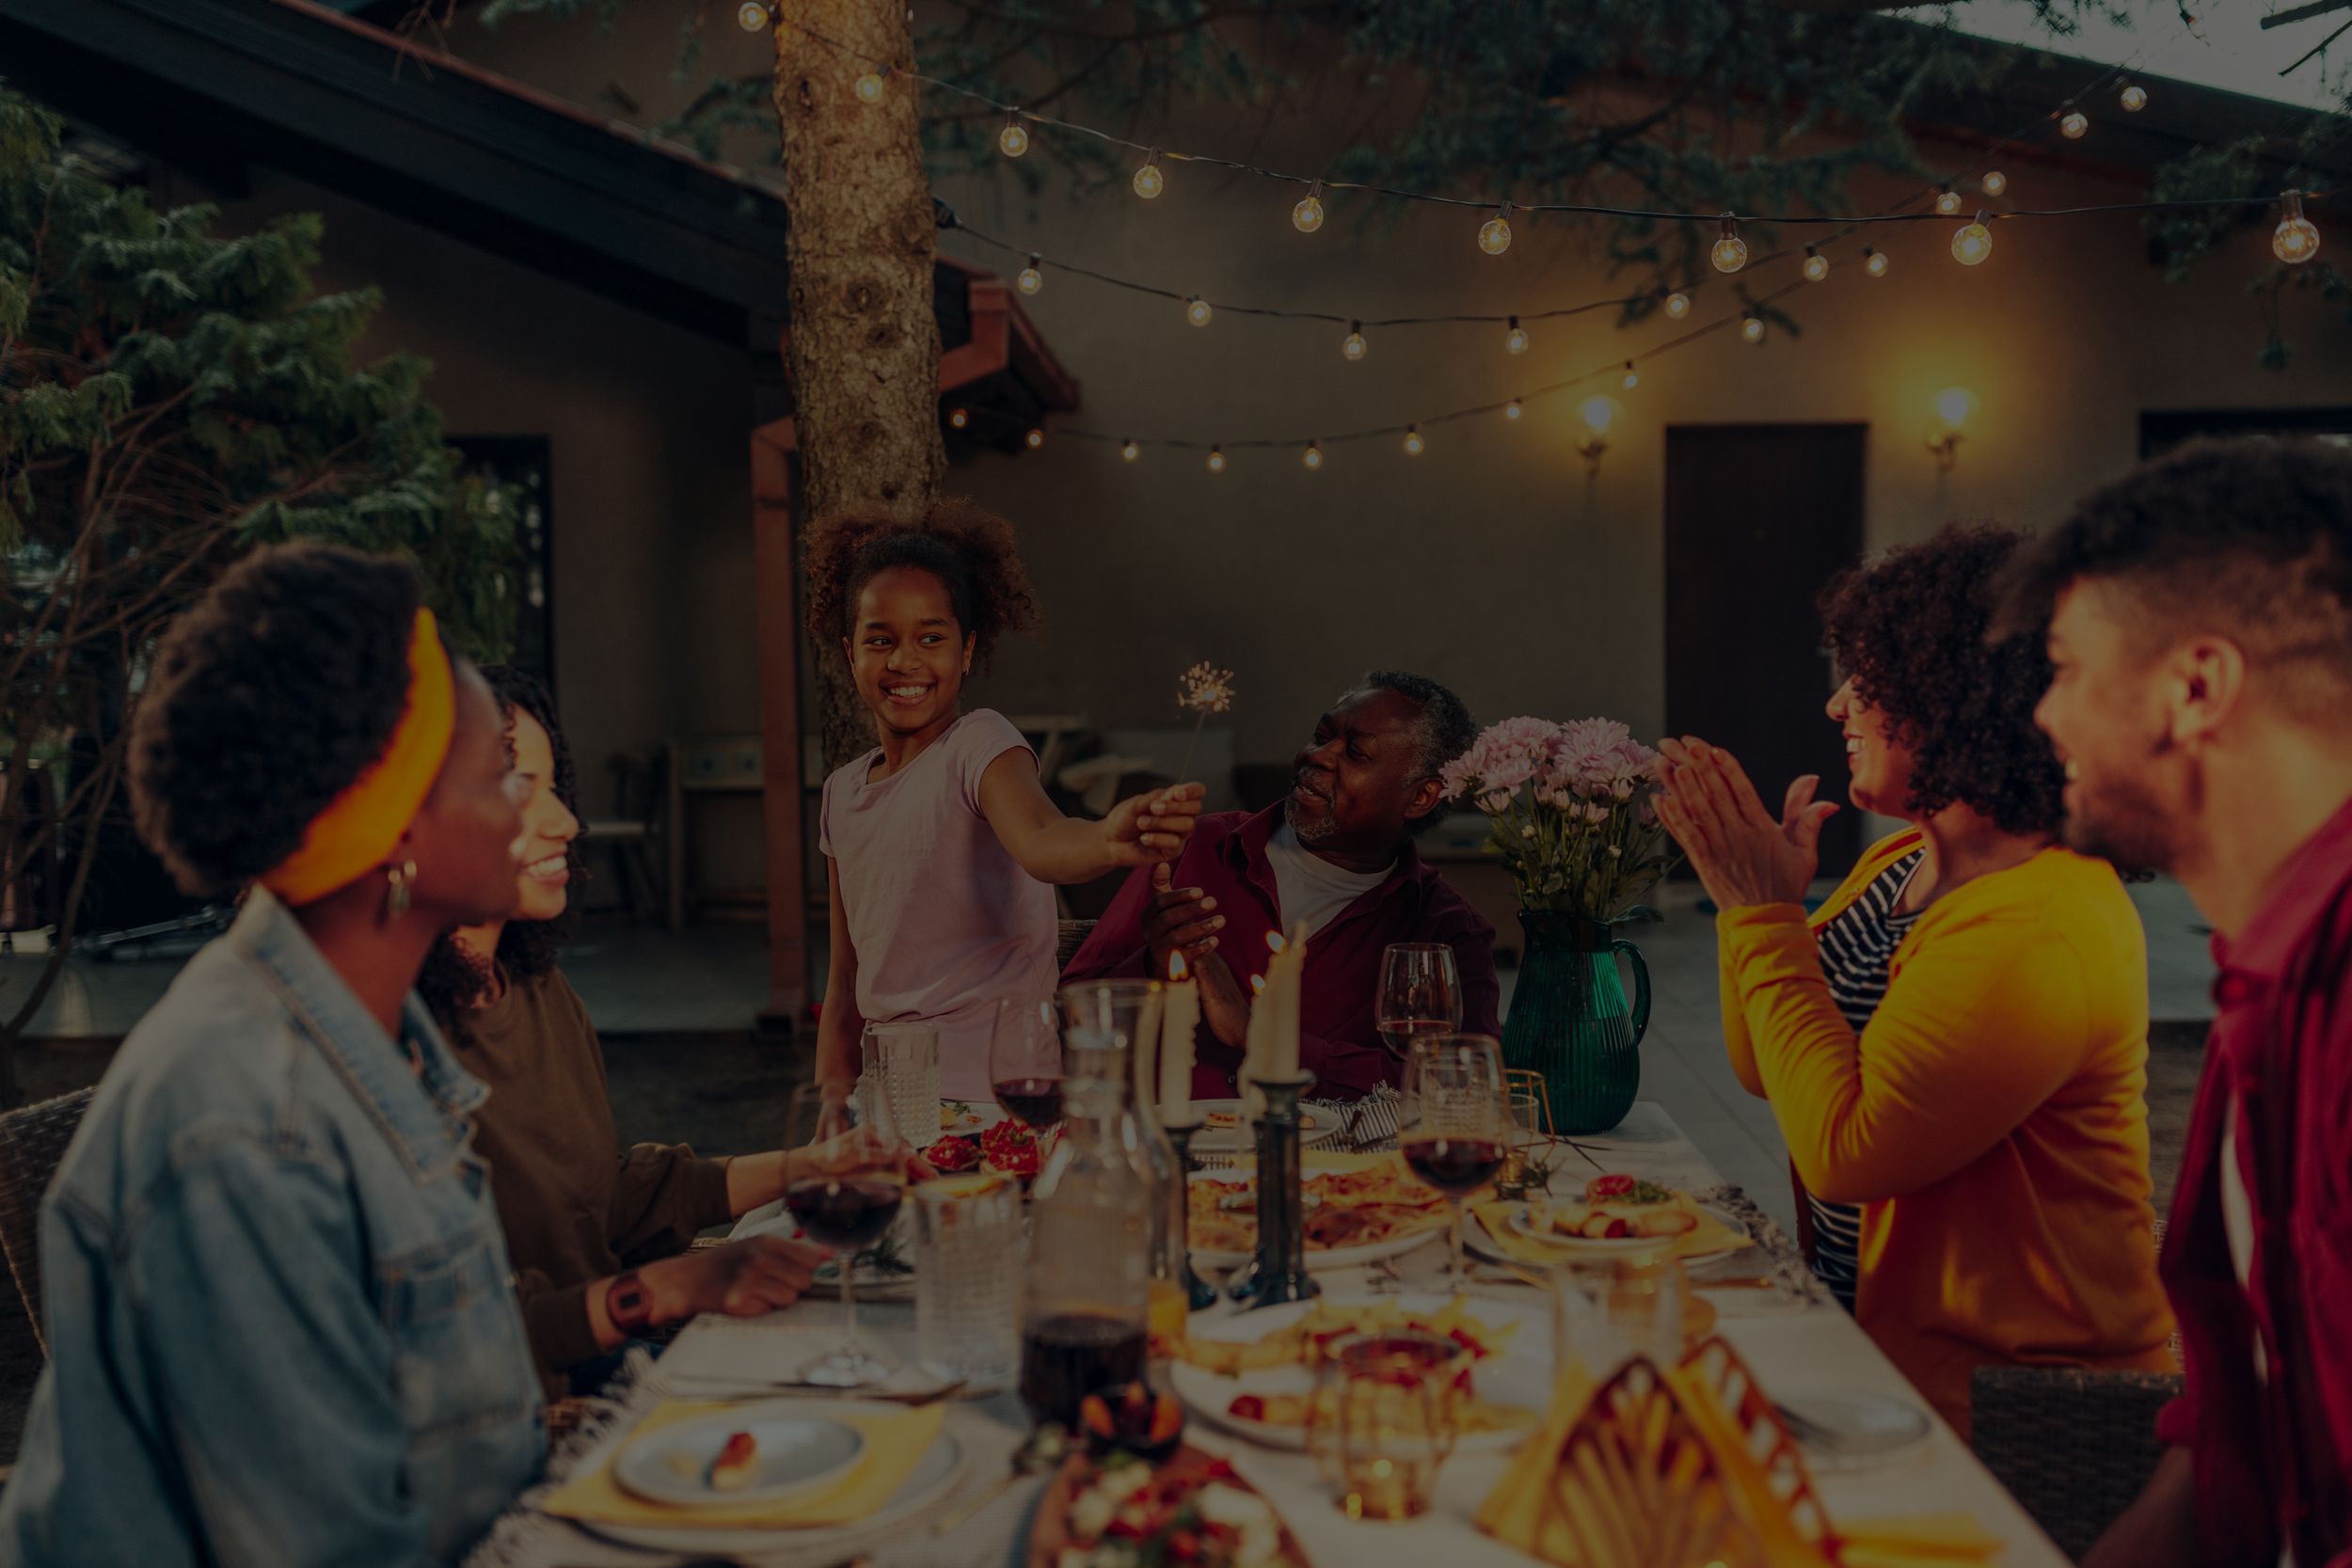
<point x="2075" y="1448"/>
<point x="32" y="1141"/>
<point x="1074" y="936"/>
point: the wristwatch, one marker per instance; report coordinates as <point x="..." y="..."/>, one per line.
<point x="629" y="1304"/>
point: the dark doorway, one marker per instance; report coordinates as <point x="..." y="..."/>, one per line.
<point x="1757" y="519"/>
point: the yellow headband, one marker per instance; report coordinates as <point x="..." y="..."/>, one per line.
<point x="361" y="829"/>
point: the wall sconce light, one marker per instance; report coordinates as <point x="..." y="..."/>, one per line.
<point x="1953" y="406"/>
<point x="1596" y="412"/>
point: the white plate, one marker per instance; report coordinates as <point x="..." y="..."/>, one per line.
<point x="1586" y="1246"/>
<point x="1516" y="1377"/>
<point x="1320" y="1259"/>
<point x="799" y="1448"/>
<point x="1857" y="1430"/>
<point x="1317" y="1127"/>
<point x="964" y="1116"/>
<point x="935" y="1476"/>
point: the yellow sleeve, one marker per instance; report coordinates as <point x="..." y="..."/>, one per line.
<point x="1737" y="1043"/>
<point x="1985" y="1020"/>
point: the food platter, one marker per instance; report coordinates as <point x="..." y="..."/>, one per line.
<point x="1354" y="1201"/>
<point x="1527" y="1221"/>
<point x="1223" y="1131"/>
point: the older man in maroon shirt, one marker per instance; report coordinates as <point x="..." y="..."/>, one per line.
<point x="1338" y="853"/>
<point x="2200" y="621"/>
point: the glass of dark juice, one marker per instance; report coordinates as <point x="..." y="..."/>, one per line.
<point x="1024" y="1067"/>
<point x="1067" y="1355"/>
<point x="1455" y="1125"/>
<point x="845" y="1191"/>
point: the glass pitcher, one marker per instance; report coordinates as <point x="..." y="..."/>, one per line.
<point x="1127" y="1014"/>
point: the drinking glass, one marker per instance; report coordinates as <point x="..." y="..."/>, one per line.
<point x="1527" y="1130"/>
<point x="847" y="1195"/>
<point x="1383" y="1419"/>
<point x="902" y="1062"/>
<point x="1421" y="993"/>
<point x="1025" y="1066"/>
<point x="1453" y="1125"/>
<point x="1607" y="1311"/>
<point x="969" y="1252"/>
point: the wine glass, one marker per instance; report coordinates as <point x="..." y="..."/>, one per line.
<point x="847" y="1195"/>
<point x="1421" y="993"/>
<point x="1453" y="1127"/>
<point x="1025" y="1062"/>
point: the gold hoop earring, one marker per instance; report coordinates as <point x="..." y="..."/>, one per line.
<point x="398" y="880"/>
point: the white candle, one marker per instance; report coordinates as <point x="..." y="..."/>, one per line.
<point x="1284" y="982"/>
<point x="1143" y="1055"/>
<point x="1255" y="1049"/>
<point x="1182" y="1016"/>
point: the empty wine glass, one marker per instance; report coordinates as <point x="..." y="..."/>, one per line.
<point x="1453" y="1127"/>
<point x="1025" y="1062"/>
<point x="847" y="1196"/>
<point x="1421" y="993"/>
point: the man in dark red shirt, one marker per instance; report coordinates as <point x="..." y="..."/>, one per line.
<point x="2200" y="620"/>
<point x="1337" y="853"/>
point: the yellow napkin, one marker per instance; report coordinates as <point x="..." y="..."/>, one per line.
<point x="1712" y="1236"/>
<point x="1916" y="1541"/>
<point x="895" y="1441"/>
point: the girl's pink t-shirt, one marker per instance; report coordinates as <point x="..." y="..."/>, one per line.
<point x="944" y="922"/>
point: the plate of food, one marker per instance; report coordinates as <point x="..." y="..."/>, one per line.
<point x="1358" y="1209"/>
<point x="1252" y="1375"/>
<point x="1223" y="1131"/>
<point x="962" y="1116"/>
<point x="1118" y="1511"/>
<point x="751" y="1454"/>
<point x="1621" y="1215"/>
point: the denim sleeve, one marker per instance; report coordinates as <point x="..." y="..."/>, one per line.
<point x="248" y="1304"/>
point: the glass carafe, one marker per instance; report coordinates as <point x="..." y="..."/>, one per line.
<point x="1084" y="1319"/>
<point x="1126" y="1013"/>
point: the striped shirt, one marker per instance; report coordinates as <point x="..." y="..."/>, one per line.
<point x="1857" y="947"/>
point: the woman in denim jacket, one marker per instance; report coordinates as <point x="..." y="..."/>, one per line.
<point x="280" y="1329"/>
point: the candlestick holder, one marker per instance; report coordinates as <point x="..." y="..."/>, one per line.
<point x="1198" y="1293"/>
<point x="1279" y="1274"/>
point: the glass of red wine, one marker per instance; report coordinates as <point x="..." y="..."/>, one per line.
<point x="1421" y="994"/>
<point x="1025" y="1062"/>
<point x="1455" y="1125"/>
<point x="846" y="1193"/>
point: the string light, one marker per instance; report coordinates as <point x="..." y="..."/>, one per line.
<point x="1313" y="456"/>
<point x="2074" y="125"/>
<point x="1816" y="265"/>
<point x="1308" y="215"/>
<point x="1948" y="201"/>
<point x="1494" y="235"/>
<point x="1973" y="243"/>
<point x="1632" y="376"/>
<point x="1752" y="328"/>
<point x="1596" y="412"/>
<point x="1874" y="261"/>
<point x="1511" y="410"/>
<point x="1217" y="460"/>
<point x="2134" y="97"/>
<point x="1031" y="280"/>
<point x="1731" y="252"/>
<point x="1129" y="451"/>
<point x="1993" y="182"/>
<point x="1515" y="337"/>
<point x="1678" y="306"/>
<point x="751" y="16"/>
<point x="2296" y="240"/>
<point x="1197" y="311"/>
<point x="1413" y="443"/>
<point x="1148" y="181"/>
<point x="1352" y="345"/>
<point x="1036" y="437"/>
<point x="869" y="88"/>
<point x="1013" y="140"/>
<point x="959" y="419"/>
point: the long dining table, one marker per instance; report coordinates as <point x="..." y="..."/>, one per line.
<point x="1798" y="1343"/>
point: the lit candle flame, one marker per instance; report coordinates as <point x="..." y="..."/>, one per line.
<point x="1176" y="970"/>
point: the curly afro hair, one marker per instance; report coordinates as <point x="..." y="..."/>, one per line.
<point x="1910" y="629"/>
<point x="267" y="701"/>
<point x="969" y="548"/>
<point x="453" y="981"/>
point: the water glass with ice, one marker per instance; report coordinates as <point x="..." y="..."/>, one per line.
<point x="902" y="1066"/>
<point x="970" y="1247"/>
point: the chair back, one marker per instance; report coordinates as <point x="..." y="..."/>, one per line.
<point x="33" y="1139"/>
<point x="1074" y="934"/>
<point x="2075" y="1448"/>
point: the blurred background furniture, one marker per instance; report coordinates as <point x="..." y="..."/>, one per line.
<point x="640" y="802"/>
<point x="33" y="1139"/>
<point x="694" y="769"/>
<point x="2075" y="1448"/>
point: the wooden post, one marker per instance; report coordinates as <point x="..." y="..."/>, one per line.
<point x="776" y="570"/>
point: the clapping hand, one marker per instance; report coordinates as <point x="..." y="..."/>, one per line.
<point x="1742" y="855"/>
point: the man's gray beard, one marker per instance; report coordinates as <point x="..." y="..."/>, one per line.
<point x="1309" y="832"/>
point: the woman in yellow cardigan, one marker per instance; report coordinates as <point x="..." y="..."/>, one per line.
<point x="1957" y="1043"/>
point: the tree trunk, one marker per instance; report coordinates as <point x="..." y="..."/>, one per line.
<point x="862" y="353"/>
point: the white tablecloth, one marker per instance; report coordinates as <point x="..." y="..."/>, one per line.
<point x="1815" y="1350"/>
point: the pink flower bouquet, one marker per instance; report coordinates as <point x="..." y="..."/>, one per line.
<point x="1571" y="812"/>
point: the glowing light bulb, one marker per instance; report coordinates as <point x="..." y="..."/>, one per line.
<point x="1313" y="456"/>
<point x="1148" y="181"/>
<point x="2134" y="97"/>
<point x="1973" y="243"/>
<point x="1216" y="461"/>
<point x="1031" y="280"/>
<point x="1753" y="329"/>
<point x="1196" y="311"/>
<point x="1413" y="443"/>
<point x="869" y="88"/>
<point x="1308" y="215"/>
<point x="2296" y="240"/>
<point x="1678" y="306"/>
<point x="1632" y="376"/>
<point x="1874" y="263"/>
<point x="1993" y="182"/>
<point x="959" y="418"/>
<point x="1816" y="265"/>
<point x="1511" y="410"/>
<point x="1948" y="201"/>
<point x="1494" y="235"/>
<point x="1596" y="412"/>
<point x="2074" y="125"/>
<point x="1731" y="252"/>
<point x="1129" y="451"/>
<point x="1352" y="345"/>
<point x="1515" y="337"/>
<point x="1013" y="140"/>
<point x="1953" y="406"/>
<point x="751" y="15"/>
<point x="1036" y="437"/>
